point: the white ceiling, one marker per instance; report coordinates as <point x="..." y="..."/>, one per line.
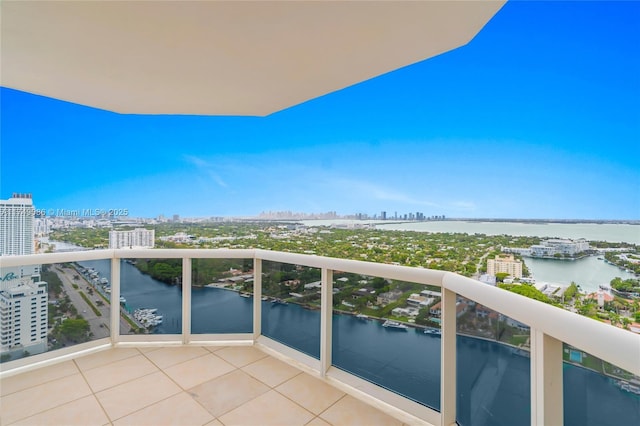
<point x="219" y="57"/>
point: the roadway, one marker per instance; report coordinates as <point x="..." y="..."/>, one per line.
<point x="99" y="325"/>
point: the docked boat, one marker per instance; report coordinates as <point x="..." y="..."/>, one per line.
<point x="628" y="387"/>
<point x="123" y="300"/>
<point x="147" y="317"/>
<point x="362" y="317"/>
<point x="433" y="331"/>
<point x="395" y="325"/>
<point x="245" y="295"/>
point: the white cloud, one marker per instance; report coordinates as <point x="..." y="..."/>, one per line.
<point x="207" y="168"/>
<point x="379" y="192"/>
<point x="464" y="205"/>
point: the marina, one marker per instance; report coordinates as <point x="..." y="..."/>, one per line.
<point x="147" y="317"/>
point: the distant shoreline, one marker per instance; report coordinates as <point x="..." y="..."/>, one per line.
<point x="546" y="221"/>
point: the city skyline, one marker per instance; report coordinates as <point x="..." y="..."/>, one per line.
<point x="537" y="117"/>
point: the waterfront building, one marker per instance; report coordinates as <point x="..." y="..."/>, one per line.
<point x="139" y="237"/>
<point x="389" y="297"/>
<point x="565" y="247"/>
<point x="23" y="296"/>
<point x="419" y="300"/>
<point x="552" y="247"/>
<point x="505" y="264"/>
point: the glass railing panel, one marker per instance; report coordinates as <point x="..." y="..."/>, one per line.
<point x="493" y="367"/>
<point x="383" y="332"/>
<point x="290" y="306"/>
<point x="151" y="296"/>
<point x="222" y="296"/>
<point x="49" y="307"/>
<point x="597" y="392"/>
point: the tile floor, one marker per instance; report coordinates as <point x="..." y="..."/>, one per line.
<point x="232" y="385"/>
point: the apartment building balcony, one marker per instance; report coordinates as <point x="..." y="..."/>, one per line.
<point x="227" y="359"/>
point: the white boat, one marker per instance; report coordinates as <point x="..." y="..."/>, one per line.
<point x="147" y="317"/>
<point x="433" y="331"/>
<point x="628" y="387"/>
<point x="245" y="295"/>
<point x="123" y="300"/>
<point x="395" y="325"/>
<point x="362" y="317"/>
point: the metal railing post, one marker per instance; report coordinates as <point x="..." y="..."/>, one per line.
<point x="547" y="405"/>
<point x="257" y="298"/>
<point x="115" y="300"/>
<point x="326" y="316"/>
<point x="186" y="300"/>
<point x="448" y="392"/>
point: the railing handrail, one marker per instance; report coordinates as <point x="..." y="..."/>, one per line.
<point x="617" y="346"/>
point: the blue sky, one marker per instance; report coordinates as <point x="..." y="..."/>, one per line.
<point x="537" y="117"/>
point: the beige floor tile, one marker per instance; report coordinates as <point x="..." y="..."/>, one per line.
<point x="198" y="370"/>
<point x="118" y="372"/>
<point x="81" y="412"/>
<point x="179" y="409"/>
<point x="214" y="348"/>
<point x="37" y="377"/>
<point x="166" y="357"/>
<point x="132" y="396"/>
<point x="311" y="393"/>
<point x="317" y="421"/>
<point x="148" y="349"/>
<point x="105" y="357"/>
<point x="271" y="371"/>
<point x="268" y="409"/>
<point x="228" y="392"/>
<point x="352" y="412"/>
<point x="31" y="401"/>
<point x="241" y="355"/>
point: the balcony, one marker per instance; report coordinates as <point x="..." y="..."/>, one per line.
<point x="179" y="385"/>
<point x="319" y="366"/>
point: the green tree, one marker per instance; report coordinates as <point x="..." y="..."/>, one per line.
<point x="500" y="276"/>
<point x="570" y="292"/>
<point x="527" y="291"/>
<point x="75" y="330"/>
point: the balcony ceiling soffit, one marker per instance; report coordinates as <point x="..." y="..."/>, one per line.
<point x="220" y="58"/>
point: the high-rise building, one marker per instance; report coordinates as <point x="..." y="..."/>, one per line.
<point x="16" y="225"/>
<point x="23" y="296"/>
<point x="23" y="314"/>
<point x="139" y="237"/>
<point x="506" y="264"/>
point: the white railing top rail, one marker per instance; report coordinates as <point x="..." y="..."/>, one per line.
<point x="617" y="346"/>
